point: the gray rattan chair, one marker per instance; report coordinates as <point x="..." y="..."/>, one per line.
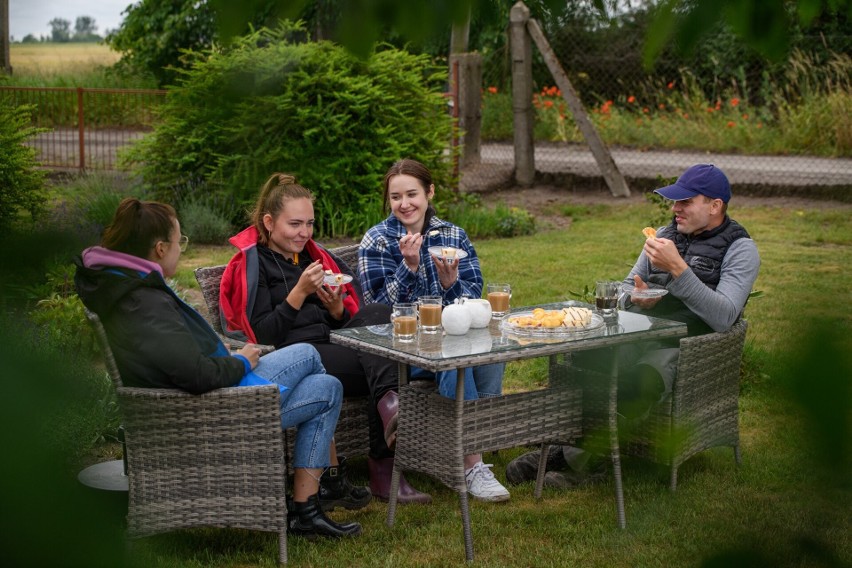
<point x="352" y="434"/>
<point x="701" y="413"/>
<point x="703" y="409"/>
<point x="210" y="460"/>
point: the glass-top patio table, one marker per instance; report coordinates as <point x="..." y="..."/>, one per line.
<point x="435" y="433"/>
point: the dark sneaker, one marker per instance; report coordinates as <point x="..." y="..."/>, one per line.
<point x="525" y="467"/>
<point x="569" y="478"/>
<point x="336" y="491"/>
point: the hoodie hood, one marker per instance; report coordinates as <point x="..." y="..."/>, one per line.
<point x="105" y="276"/>
<point x="100" y="257"/>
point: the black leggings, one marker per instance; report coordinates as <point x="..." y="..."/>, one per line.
<point x="364" y="374"/>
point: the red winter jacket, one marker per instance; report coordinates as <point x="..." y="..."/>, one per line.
<point x="239" y="284"/>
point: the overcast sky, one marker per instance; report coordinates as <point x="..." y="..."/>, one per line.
<point x="32" y="16"/>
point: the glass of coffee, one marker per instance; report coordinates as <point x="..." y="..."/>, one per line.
<point x="430" y="313"/>
<point x="606" y="298"/>
<point x="404" y="320"/>
<point x="499" y="296"/>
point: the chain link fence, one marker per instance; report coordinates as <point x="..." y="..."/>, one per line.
<point x="768" y="125"/>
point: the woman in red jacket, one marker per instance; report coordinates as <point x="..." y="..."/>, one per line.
<point x="273" y="292"/>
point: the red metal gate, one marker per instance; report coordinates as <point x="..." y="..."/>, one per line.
<point x="86" y="127"/>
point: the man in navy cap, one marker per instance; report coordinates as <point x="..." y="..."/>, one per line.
<point x="707" y="263"/>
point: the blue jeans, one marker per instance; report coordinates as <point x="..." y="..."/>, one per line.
<point x="311" y="402"/>
<point x="479" y="382"/>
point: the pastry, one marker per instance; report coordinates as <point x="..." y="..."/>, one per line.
<point x="448" y="253"/>
<point x="576" y="317"/>
<point x="649" y="232"/>
<point x="552" y="319"/>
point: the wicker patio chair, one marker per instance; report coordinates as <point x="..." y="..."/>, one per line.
<point x="702" y="411"/>
<point x="210" y="460"/>
<point x="352" y="434"/>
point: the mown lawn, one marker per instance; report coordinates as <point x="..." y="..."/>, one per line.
<point x="788" y="504"/>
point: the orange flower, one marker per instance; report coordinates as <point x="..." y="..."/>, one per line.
<point x="718" y="104"/>
<point x="745" y="117"/>
<point x="548" y="103"/>
<point x="661" y="106"/>
<point x="645" y="110"/>
<point x="686" y="115"/>
<point x="631" y="99"/>
<point x="492" y="90"/>
<point x="760" y="125"/>
<point x="735" y="101"/>
<point x="709" y="109"/>
<point x="670" y="85"/>
<point x="731" y="124"/>
<point x="608" y="103"/>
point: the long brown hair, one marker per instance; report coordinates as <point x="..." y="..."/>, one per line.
<point x="409" y="167"/>
<point x="274" y="195"/>
<point x="138" y="225"/>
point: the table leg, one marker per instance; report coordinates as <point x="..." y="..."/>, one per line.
<point x="615" y="452"/>
<point x="463" y="496"/>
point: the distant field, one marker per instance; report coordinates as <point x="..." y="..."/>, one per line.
<point x="52" y="59"/>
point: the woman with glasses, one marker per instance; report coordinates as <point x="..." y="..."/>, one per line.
<point x="161" y="342"/>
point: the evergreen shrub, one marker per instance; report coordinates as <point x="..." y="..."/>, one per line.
<point x="204" y="222"/>
<point x="22" y="187"/>
<point x="335" y="121"/>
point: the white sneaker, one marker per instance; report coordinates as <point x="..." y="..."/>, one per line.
<point x="482" y="484"/>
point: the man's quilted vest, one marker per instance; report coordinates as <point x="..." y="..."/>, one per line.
<point x="703" y="253"/>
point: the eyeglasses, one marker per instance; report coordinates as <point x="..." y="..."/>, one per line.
<point x="183" y="242"/>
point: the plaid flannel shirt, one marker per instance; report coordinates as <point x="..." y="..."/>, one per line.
<point x="387" y="280"/>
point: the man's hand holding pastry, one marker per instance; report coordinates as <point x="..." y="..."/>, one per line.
<point x="664" y="255"/>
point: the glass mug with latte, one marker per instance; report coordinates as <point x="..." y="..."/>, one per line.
<point x="404" y="320"/>
<point x="499" y="296"/>
<point x="430" y="313"/>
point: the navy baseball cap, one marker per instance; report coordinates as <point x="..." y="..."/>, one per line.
<point x="700" y="179"/>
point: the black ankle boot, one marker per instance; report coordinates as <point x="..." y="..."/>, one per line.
<point x="336" y="491"/>
<point x="308" y="520"/>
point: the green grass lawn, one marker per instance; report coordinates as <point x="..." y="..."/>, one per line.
<point x="781" y="507"/>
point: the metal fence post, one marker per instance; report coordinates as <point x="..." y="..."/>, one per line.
<point x="80" y="128"/>
<point x="522" y="94"/>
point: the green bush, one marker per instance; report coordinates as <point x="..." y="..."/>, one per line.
<point x="514" y="221"/>
<point x="312" y="109"/>
<point x="481" y="222"/>
<point x="88" y="203"/>
<point x="21" y="184"/>
<point x="204" y="221"/>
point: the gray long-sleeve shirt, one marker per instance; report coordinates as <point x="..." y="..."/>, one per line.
<point x="718" y="308"/>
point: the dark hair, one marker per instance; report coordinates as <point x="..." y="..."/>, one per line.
<point x="274" y="194"/>
<point x="409" y="167"/>
<point x="138" y="225"/>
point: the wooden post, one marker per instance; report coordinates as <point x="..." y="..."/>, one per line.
<point x="5" y="62"/>
<point x="522" y="94"/>
<point x="469" y="103"/>
<point x="612" y="175"/>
